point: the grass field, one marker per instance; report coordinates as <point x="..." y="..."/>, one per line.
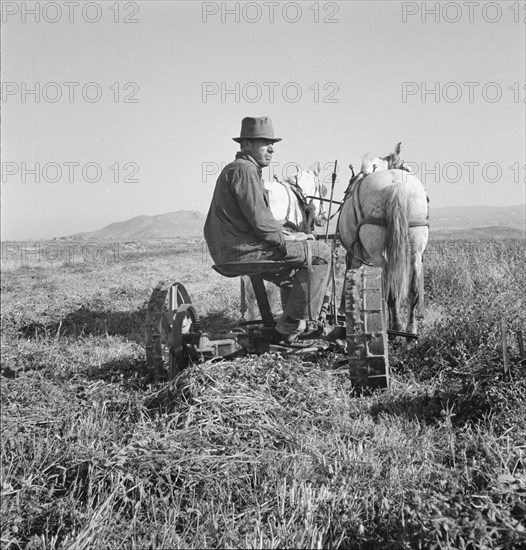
<point x="262" y="452"/>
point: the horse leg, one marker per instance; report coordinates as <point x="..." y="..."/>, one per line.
<point x="394" y="320"/>
<point x="413" y="295"/>
<point x="394" y="313"/>
<point x="250" y="297"/>
<point x="418" y="239"/>
<point x="273" y="293"/>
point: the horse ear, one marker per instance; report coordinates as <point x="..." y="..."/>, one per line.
<point x="317" y="170"/>
<point x="394" y="159"/>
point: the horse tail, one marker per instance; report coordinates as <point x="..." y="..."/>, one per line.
<point x="397" y="269"/>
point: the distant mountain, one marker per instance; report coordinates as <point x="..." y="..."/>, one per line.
<point x="452" y="218"/>
<point x="183" y="223"/>
<point x="467" y="217"/>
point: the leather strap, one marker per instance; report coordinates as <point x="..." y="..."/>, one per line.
<point x="371" y="220"/>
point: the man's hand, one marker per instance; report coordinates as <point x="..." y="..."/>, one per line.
<point x="298" y="236"/>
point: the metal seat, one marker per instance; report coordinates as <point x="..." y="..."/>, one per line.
<point x="236" y="269"/>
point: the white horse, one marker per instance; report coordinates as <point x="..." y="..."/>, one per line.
<point x="372" y="163"/>
<point x="383" y="221"/>
<point x="296" y="204"/>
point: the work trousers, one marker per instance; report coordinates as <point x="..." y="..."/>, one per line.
<point x="303" y="287"/>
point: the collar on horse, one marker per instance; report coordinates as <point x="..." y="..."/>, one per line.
<point x="298" y="191"/>
<point x="305" y="205"/>
<point x="306" y="210"/>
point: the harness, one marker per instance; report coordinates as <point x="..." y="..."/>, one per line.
<point x="288" y="190"/>
<point x="294" y="189"/>
<point x="353" y="191"/>
<point x="319" y="197"/>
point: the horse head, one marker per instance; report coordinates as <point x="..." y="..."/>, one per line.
<point x="372" y="163"/>
<point x="311" y="190"/>
<point x="394" y="160"/>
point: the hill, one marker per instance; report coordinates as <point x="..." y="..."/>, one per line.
<point x="183" y="223"/>
<point x="479" y="220"/>
<point x="187" y="223"/>
<point x="470" y="217"/>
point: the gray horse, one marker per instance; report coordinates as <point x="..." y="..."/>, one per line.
<point x="383" y="222"/>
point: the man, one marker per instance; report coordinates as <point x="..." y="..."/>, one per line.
<point x="240" y="227"/>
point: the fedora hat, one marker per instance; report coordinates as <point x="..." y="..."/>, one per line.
<point x="256" y="128"/>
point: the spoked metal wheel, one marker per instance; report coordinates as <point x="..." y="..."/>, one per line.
<point x="172" y="331"/>
<point x="366" y="327"/>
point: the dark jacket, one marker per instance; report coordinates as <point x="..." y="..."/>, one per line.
<point x="240" y="225"/>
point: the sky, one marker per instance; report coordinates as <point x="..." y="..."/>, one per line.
<point x="111" y="110"/>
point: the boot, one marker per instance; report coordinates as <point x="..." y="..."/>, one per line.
<point x="290" y="328"/>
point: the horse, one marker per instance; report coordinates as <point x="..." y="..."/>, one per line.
<point x="372" y="163"/>
<point x="384" y="222"/>
<point x="296" y="204"/>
